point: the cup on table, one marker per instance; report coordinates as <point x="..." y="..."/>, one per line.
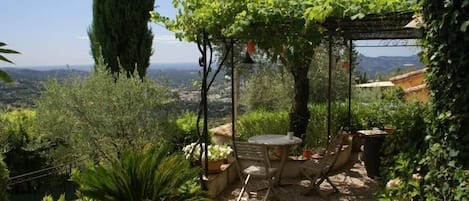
<point x="290" y="135"/>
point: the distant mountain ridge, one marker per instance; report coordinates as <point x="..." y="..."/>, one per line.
<point x="88" y="67"/>
<point x="369" y="65"/>
<point x="386" y="64"/>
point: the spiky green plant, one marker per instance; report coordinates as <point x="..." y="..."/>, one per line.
<point x="3" y="75"/>
<point x="150" y="175"/>
<point x="50" y="198"/>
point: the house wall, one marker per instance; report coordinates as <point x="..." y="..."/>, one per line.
<point x="410" y="81"/>
<point x="421" y="95"/>
<point x="413" y="80"/>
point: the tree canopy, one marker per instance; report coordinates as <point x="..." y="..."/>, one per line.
<point x="273" y="24"/>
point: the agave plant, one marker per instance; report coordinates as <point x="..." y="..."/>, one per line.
<point x="3" y="75"/>
<point x="151" y="175"/>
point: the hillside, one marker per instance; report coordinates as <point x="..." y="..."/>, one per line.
<point x="29" y="82"/>
<point x="386" y="64"/>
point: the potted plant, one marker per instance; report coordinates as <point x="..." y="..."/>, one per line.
<point x="307" y="153"/>
<point x="216" y="154"/>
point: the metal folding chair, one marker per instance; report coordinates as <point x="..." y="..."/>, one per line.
<point x="253" y="162"/>
<point x="318" y="171"/>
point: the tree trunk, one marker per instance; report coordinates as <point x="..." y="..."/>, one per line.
<point x="299" y="113"/>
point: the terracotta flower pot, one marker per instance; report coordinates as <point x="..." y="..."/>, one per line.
<point x="214" y="165"/>
<point x="307" y="153"/>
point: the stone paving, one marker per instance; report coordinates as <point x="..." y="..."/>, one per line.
<point x="352" y="182"/>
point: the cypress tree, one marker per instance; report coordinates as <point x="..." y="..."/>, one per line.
<point x="120" y="34"/>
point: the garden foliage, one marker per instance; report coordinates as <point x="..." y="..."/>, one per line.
<point x="262" y="122"/>
<point x="22" y="147"/>
<point x="100" y="116"/>
<point x="379" y="114"/>
<point x="148" y="175"/>
<point x="4" y="176"/>
<point x="446" y="45"/>
<point x="402" y="152"/>
<point x="3" y="75"/>
<point x="50" y="198"/>
<point x="182" y="131"/>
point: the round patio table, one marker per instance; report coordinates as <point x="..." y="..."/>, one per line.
<point x="276" y="140"/>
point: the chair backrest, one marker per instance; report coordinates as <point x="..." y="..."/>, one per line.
<point x="332" y="152"/>
<point x="245" y="151"/>
<point x="335" y="149"/>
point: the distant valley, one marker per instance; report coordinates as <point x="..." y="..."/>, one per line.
<point x="29" y="81"/>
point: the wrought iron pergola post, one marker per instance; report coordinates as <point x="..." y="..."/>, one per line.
<point x="350" y="69"/>
<point x="205" y="62"/>
<point x="233" y="99"/>
<point x="202" y="44"/>
<point x="329" y="92"/>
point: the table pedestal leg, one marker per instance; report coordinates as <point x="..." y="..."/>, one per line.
<point x="283" y="160"/>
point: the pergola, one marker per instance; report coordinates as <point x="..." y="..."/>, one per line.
<point x="370" y="27"/>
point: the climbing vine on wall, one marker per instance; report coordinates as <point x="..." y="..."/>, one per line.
<point x="446" y="47"/>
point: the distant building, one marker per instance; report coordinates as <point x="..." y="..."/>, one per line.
<point x="413" y="84"/>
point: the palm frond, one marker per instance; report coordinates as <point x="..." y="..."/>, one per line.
<point x="151" y="175"/>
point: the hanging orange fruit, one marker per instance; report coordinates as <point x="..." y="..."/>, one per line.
<point x="346" y="65"/>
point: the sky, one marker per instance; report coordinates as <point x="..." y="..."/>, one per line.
<point x="54" y="33"/>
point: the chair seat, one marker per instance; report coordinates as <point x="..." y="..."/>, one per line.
<point x="259" y="171"/>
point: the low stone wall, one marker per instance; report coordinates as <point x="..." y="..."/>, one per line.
<point x="216" y="183"/>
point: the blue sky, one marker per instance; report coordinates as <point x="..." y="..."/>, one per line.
<point x="54" y="33"/>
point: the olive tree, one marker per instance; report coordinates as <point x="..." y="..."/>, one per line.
<point x="100" y="116"/>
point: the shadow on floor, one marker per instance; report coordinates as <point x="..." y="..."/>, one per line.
<point x="352" y="182"/>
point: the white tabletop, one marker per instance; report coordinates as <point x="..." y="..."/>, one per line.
<point x="372" y="132"/>
<point x="274" y="139"/>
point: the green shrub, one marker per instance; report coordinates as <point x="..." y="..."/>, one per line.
<point x="183" y="131"/>
<point x="101" y="115"/>
<point x="150" y="175"/>
<point x="262" y="122"/>
<point x="316" y="133"/>
<point x="22" y="147"/>
<point x="4" y="176"/>
<point x="403" y="150"/>
<point x="445" y="50"/>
